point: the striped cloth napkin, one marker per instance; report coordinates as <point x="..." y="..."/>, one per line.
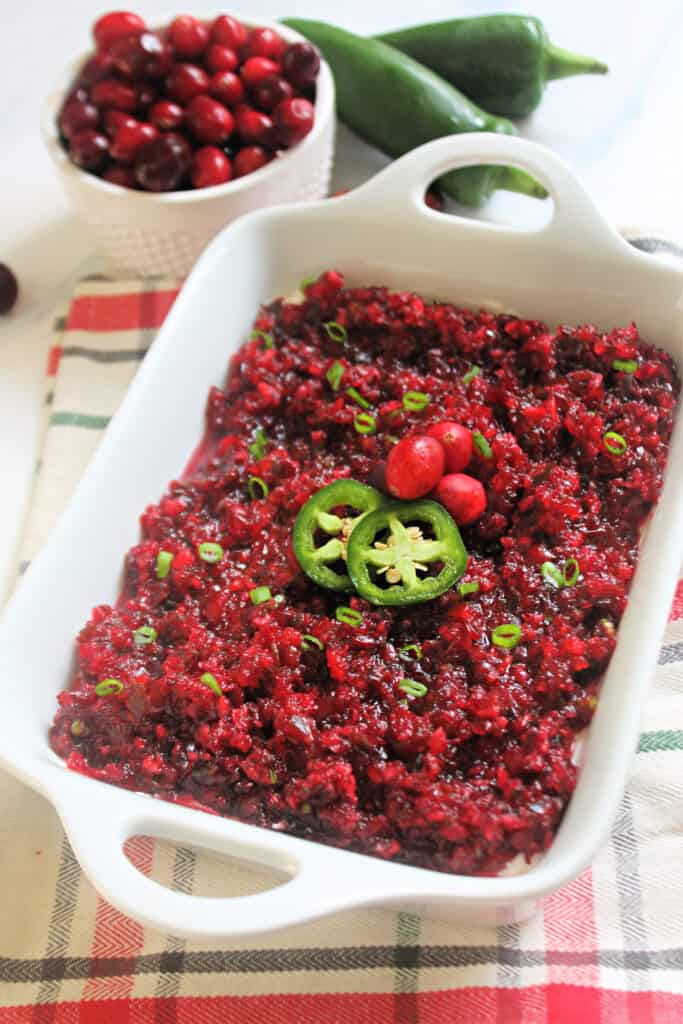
<point x="606" y="949"/>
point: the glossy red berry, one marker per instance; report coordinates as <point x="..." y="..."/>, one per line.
<point x="77" y="116"/>
<point x="301" y="64"/>
<point x="187" y="81"/>
<point x="113" y="93"/>
<point x="220" y="58"/>
<point x="249" y="159"/>
<point x="463" y="496"/>
<point x="161" y="165"/>
<point x="116" y="25"/>
<point x="227" y="87"/>
<point x="293" y="120"/>
<point x="228" y="31"/>
<point x="256" y="69"/>
<point x="144" y="56"/>
<point x="117" y="174"/>
<point x="210" y="166"/>
<point x="147" y="95"/>
<point x="414" y="467"/>
<point x="434" y="199"/>
<point x="254" y="126"/>
<point x="114" y="120"/>
<point x="97" y="67"/>
<point x="129" y="139"/>
<point x="189" y="36"/>
<point x="167" y="115"/>
<point x="9" y="288"/>
<point x="270" y="91"/>
<point x="89" y="150"/>
<point x="209" y="120"/>
<point x="457" y="444"/>
<point x="265" y="42"/>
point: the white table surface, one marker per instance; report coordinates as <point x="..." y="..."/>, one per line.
<point x="622" y="132"/>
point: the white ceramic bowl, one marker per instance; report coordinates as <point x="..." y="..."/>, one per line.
<point x="574" y="269"/>
<point x="156" y="234"/>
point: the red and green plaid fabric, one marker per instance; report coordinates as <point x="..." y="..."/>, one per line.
<point x="608" y="948"/>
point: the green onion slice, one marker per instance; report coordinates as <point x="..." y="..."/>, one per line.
<point x="78" y="728"/>
<point x="164" y="559"/>
<point x="471" y="374"/>
<point x="308" y="642"/>
<point x="305" y="281"/>
<point x="210" y="680"/>
<point x="336" y="331"/>
<point x="145" y="635"/>
<point x="334" y="375"/>
<point x="259" y="595"/>
<point x="255" y="484"/>
<point x="267" y="338"/>
<point x="411" y="652"/>
<point x="415" y="401"/>
<point x="258" y="446"/>
<point x="625" y="365"/>
<point x="551" y="573"/>
<point x="272" y="776"/>
<point x="508" y="635"/>
<point x="413" y="688"/>
<point x="355" y="394"/>
<point x="481" y="444"/>
<point x="108" y="687"/>
<point x="571" y="570"/>
<point x="365" y="423"/>
<point x="210" y="552"/>
<point x="348" y="615"/>
<point x="468" y="588"/>
<point x="615" y="443"/>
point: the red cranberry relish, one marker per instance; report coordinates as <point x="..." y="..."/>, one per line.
<point x="313" y="733"/>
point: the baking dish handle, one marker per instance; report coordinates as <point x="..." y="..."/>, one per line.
<point x="576" y="222"/>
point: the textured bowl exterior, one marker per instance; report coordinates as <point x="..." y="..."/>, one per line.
<point x="145" y="235"/>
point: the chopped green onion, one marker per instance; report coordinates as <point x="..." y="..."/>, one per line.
<point x="210" y="680"/>
<point x="481" y="444"/>
<point x="615" y="443"/>
<point x="259" y="595"/>
<point x="355" y="394"/>
<point x="267" y="338"/>
<point x="468" y="588"/>
<point x="279" y="599"/>
<point x="392" y="440"/>
<point x="305" y="281"/>
<point x="145" y="635"/>
<point x="471" y="374"/>
<point x="348" y="615"/>
<point x="78" y="728"/>
<point x="571" y="571"/>
<point x="625" y="365"/>
<point x="164" y="559"/>
<point x="305" y="807"/>
<point x="108" y="686"/>
<point x="415" y="401"/>
<point x="336" y="331"/>
<point x="210" y="552"/>
<point x="258" y="446"/>
<point x="411" y="652"/>
<point x="365" y="423"/>
<point x="257" y="484"/>
<point x="413" y="688"/>
<point x="565" y="575"/>
<point x="334" y="375"/>
<point x="308" y="642"/>
<point x="508" y="635"/>
<point x="272" y="776"/>
<point x="551" y="573"/>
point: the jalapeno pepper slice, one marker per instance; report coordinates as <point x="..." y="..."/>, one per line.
<point x="317" y="519"/>
<point x="391" y="547"/>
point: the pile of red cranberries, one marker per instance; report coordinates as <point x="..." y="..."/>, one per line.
<point x="432" y="464"/>
<point x="189" y="106"/>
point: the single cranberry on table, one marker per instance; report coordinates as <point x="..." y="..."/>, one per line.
<point x="209" y="120"/>
<point x="293" y="120"/>
<point x="301" y="64"/>
<point x="185" y="81"/>
<point x="129" y="139"/>
<point x="456" y="441"/>
<point x="434" y="199"/>
<point x="265" y="42"/>
<point x="117" y="174"/>
<point x="463" y="496"/>
<point x="189" y="36"/>
<point x="254" y="70"/>
<point x="220" y="58"/>
<point x="144" y="56"/>
<point x="167" y="115"/>
<point x="113" y="93"/>
<point x="210" y="166"/>
<point x="114" y="120"/>
<point x="76" y="116"/>
<point x="227" y="87"/>
<point x="228" y="31"/>
<point x="89" y="150"/>
<point x="116" y="25"/>
<point x="414" y="467"/>
<point x="270" y="91"/>
<point x="248" y="160"/>
<point x="9" y="288"/>
<point x="161" y="165"/>
<point x="254" y="126"/>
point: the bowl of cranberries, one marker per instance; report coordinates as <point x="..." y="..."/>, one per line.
<point x="162" y="135"/>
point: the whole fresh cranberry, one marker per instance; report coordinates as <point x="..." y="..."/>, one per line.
<point x="293" y="120"/>
<point x="434" y="199"/>
<point x="129" y="139"/>
<point x="89" y="149"/>
<point x="270" y="91"/>
<point x="143" y="56"/>
<point x="97" y="67"/>
<point x="111" y="92"/>
<point x="161" y="165"/>
<point x="228" y="31"/>
<point x="456" y="441"/>
<point x="265" y="42"/>
<point x="227" y="87"/>
<point x="116" y="25"/>
<point x="301" y="64"/>
<point x="414" y="467"/>
<point x="249" y="159"/>
<point x="209" y="120"/>
<point x="76" y="94"/>
<point x="119" y="175"/>
<point x="220" y="58"/>
<point x="188" y="36"/>
<point x="254" y="126"/>
<point x="463" y="496"/>
<point x="210" y="166"/>
<point x="147" y="95"/>
<point x="77" y="116"/>
<point x="114" y="120"/>
<point x="187" y="81"/>
<point x="167" y="115"/>
<point x="9" y="288"/>
<point x="256" y="69"/>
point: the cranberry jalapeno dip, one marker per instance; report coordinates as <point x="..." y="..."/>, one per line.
<point x="436" y="729"/>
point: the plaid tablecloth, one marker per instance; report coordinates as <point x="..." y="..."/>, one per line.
<point x="608" y="948"/>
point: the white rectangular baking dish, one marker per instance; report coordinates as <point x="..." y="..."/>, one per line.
<point x="575" y="269"/>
